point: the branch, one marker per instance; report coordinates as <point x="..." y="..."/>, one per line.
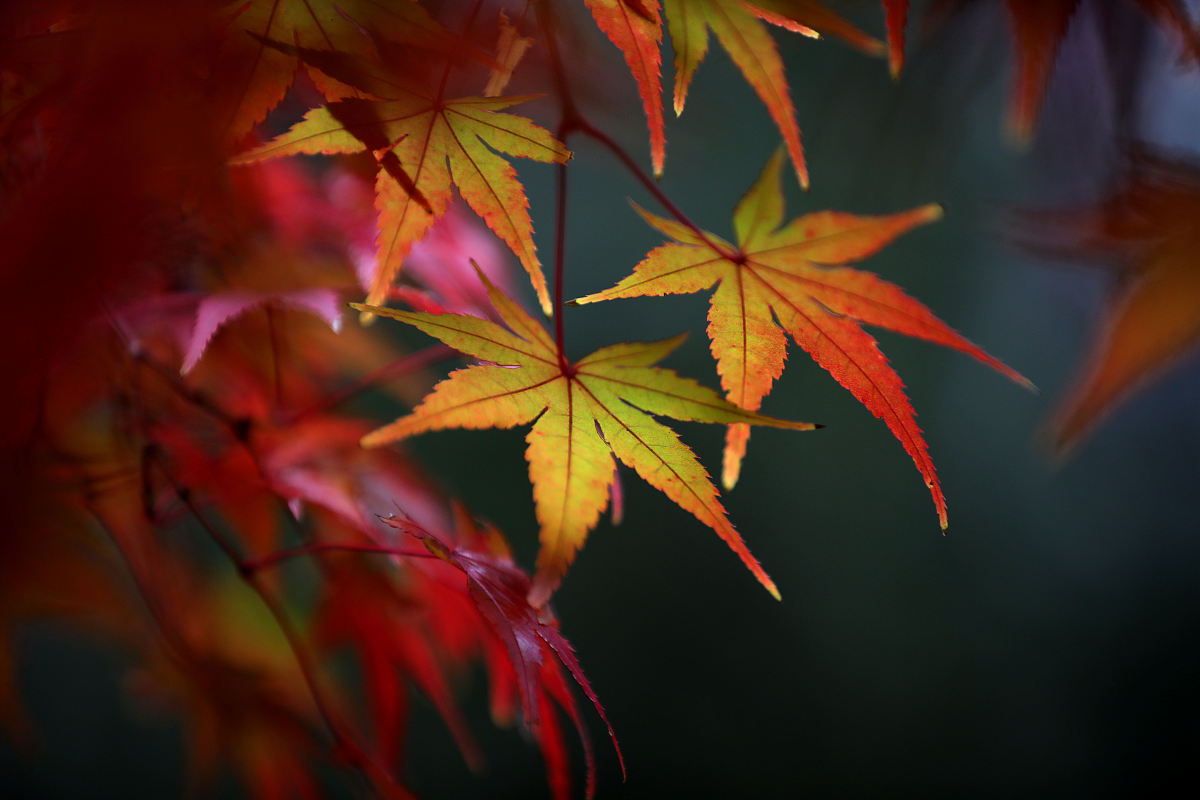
<point x="573" y="121"/>
<point x="590" y="130"/>
<point x="570" y="121"/>
<point x="388" y="372"/>
<point x="343" y="744"/>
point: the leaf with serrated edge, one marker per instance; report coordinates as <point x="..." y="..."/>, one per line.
<point x="637" y="31"/>
<point x="261" y="74"/>
<point x="785" y="278"/>
<point x="752" y="49"/>
<point x="583" y="414"/>
<point x="425" y="144"/>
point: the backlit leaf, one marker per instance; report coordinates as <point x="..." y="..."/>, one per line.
<point x="260" y="74"/>
<point x="425" y="144"/>
<point x="789" y="279"/>
<point x="583" y="414"/>
<point x="636" y="28"/>
<point x="752" y="49"/>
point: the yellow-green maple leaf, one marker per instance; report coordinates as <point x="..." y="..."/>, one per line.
<point x="425" y="144"/>
<point x="583" y="414"/>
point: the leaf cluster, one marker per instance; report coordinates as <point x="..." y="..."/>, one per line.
<point x="185" y="451"/>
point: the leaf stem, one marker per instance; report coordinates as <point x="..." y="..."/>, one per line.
<point x="590" y="130"/>
<point x="192" y="396"/>
<point x="570" y="121"/>
<point x="560" y="258"/>
<point x="573" y="121"/>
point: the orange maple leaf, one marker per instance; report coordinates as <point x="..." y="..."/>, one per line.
<point x="781" y="279"/>
<point x="635" y="26"/>
<point x="425" y="143"/>
<point x="584" y="413"/>
<point x="1148" y="225"/>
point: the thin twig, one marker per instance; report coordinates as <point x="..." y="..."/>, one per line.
<point x="570" y="121"/>
<point x="590" y="130"/>
<point x="388" y="372"/>
<point x="573" y="121"/>
<point x="307" y="669"/>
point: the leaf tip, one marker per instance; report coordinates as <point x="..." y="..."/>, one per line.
<point x="1019" y="130"/>
<point x="933" y="212"/>
<point x="366" y="313"/>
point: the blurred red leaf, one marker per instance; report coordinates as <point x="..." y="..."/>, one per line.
<point x="500" y="591"/>
<point x="1147" y="226"/>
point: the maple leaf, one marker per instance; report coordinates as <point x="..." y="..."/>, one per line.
<point x="584" y="413"/>
<point x="501" y="592"/>
<point x="261" y="74"/>
<point x="787" y="278"/>
<point x="217" y="309"/>
<point x="1148" y="225"/>
<point x="366" y="611"/>
<point x="425" y="143"/>
<point x="635" y="26"/>
<point x="738" y="28"/>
